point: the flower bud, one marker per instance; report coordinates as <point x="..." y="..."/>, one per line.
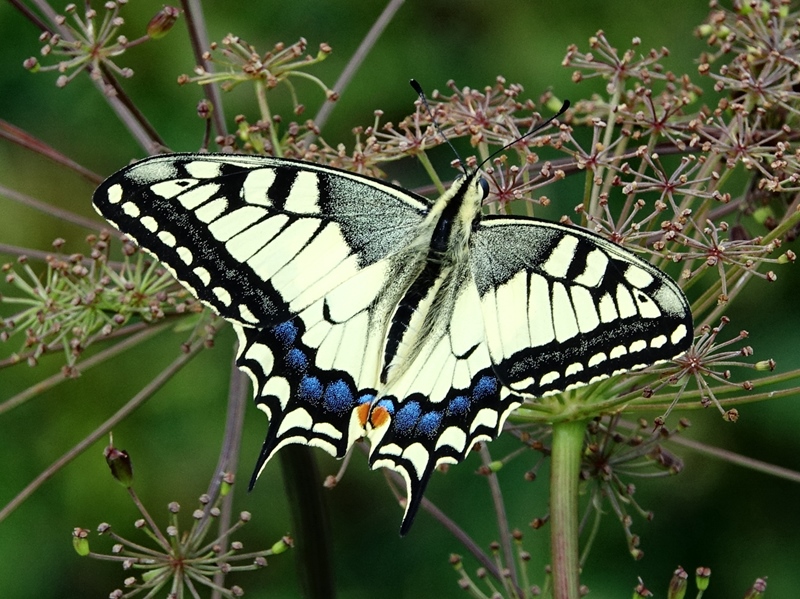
<point x="702" y="576"/>
<point x="120" y="463"/>
<point x="641" y="591"/>
<point x="227" y="484"/>
<point x="80" y="542"/>
<point x="554" y="104"/>
<point x="205" y="109"/>
<point x="757" y="590"/>
<point x="677" y="586"/>
<point x="731" y="415"/>
<point x="765" y="365"/>
<point x="31" y="64"/>
<point x="160" y="24"/>
<point x="282" y="545"/>
<point x="705" y="30"/>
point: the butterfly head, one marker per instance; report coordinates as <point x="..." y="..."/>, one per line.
<point x="462" y="202"/>
<point x="473" y="186"/>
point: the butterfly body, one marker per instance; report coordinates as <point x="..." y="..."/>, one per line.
<point x="364" y="309"/>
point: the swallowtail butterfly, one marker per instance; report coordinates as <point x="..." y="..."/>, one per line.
<point x="363" y="309"/>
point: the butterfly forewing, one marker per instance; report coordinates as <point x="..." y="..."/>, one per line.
<point x="258" y="239"/>
<point x="563" y="307"/>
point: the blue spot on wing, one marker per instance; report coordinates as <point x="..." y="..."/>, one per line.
<point x="407" y="417"/>
<point x="458" y="406"/>
<point x="484" y="388"/>
<point x="387" y="405"/>
<point x="338" y="397"/>
<point x="428" y="425"/>
<point x="309" y="389"/>
<point x="297" y="360"/>
<point x="365" y="398"/>
<point x="286" y="333"/>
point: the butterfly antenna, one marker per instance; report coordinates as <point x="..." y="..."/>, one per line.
<point x="539" y="127"/>
<point x="418" y="88"/>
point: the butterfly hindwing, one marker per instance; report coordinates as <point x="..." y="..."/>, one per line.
<point x="311" y="371"/>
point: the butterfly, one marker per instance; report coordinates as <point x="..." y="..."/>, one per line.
<point x="363" y="309"/>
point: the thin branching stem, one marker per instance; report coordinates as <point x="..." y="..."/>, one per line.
<point x="130" y="115"/>
<point x="734" y="458"/>
<point x="502" y="517"/>
<point x="228" y="460"/>
<point x="29" y="142"/>
<point x="49" y="209"/>
<point x="238" y="392"/>
<point x="356" y="60"/>
<point x="98" y="358"/>
<point x="198" y="36"/>
<point x="465" y="540"/>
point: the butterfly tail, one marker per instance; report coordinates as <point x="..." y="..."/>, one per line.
<point x="267" y="451"/>
<point x="415" y="492"/>
<point x="416" y="472"/>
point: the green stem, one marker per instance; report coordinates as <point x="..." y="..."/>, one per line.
<point x="565" y="462"/>
<point x="311" y="531"/>
<point x="429" y="168"/>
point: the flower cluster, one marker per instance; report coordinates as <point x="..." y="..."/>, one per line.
<point x="614" y="451"/>
<point x="82" y="299"/>
<point x="90" y="41"/>
<point x="182" y="561"/>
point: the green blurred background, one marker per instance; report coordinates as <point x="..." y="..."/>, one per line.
<point x="740" y="524"/>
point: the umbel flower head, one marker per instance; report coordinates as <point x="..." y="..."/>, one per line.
<point x="90" y="41"/>
<point x="180" y="561"/>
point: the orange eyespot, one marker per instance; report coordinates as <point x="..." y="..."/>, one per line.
<point x="379" y="417"/>
<point x="363" y="413"/>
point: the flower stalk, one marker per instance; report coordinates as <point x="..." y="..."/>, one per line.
<point x="565" y="462"/>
